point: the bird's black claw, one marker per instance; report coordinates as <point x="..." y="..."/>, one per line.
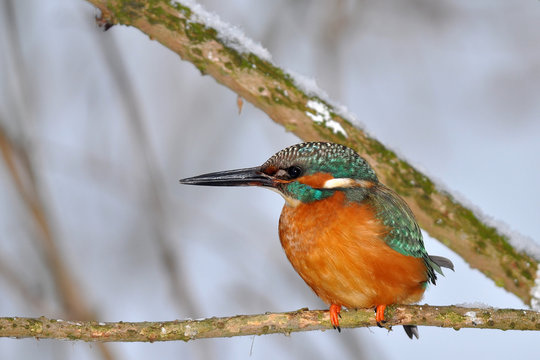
<point x="379" y="324"/>
<point x="337" y="328"/>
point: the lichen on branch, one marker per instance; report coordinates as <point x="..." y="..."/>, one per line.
<point x="271" y="323"/>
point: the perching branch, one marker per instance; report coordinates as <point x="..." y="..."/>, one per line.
<point x="277" y="94"/>
<point x="272" y="323"/>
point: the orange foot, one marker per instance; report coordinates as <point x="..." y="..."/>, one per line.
<point x="334" y="316"/>
<point x="379" y="316"/>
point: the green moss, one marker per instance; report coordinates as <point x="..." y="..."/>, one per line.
<point x="181" y="8"/>
<point x="526" y="274"/>
<point x="271" y="70"/>
<point x="486" y="232"/>
<point x="481" y="244"/>
<point x="290" y="127"/>
<point x="199" y="33"/>
<point x="196" y="51"/>
<point x="340" y="136"/>
<point x="424" y="182"/>
<point x="451" y="317"/>
<point x="73" y="337"/>
<point x="126" y="10"/>
<point x="283" y="98"/>
<point x="157" y="13"/>
<point x="508" y="271"/>
<point x="321" y="130"/>
<point x="376" y="148"/>
<point x="485" y="315"/>
<point x="264" y="99"/>
<point x="238" y="60"/>
<point x="200" y="65"/>
<point x="389" y="312"/>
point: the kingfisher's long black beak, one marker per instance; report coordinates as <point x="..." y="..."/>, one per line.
<point x="241" y="177"/>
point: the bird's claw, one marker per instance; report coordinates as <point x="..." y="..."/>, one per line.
<point x="379" y="314"/>
<point x="335" y="315"/>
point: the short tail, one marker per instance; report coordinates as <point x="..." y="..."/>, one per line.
<point x="442" y="262"/>
<point x="436" y="262"/>
<point x="411" y="330"/>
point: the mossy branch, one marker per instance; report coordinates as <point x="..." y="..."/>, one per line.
<point x="273" y="323"/>
<point x="273" y="91"/>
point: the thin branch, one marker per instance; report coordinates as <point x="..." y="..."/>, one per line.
<point x="172" y="262"/>
<point x="276" y="93"/>
<point x="272" y="323"/>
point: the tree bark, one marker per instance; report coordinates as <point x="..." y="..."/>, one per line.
<point x="272" y="323"/>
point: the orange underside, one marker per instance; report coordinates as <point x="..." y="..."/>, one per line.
<point x="340" y="252"/>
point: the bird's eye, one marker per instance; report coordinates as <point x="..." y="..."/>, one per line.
<point x="294" y="171"/>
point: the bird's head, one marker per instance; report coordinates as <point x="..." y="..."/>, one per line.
<point x="304" y="172"/>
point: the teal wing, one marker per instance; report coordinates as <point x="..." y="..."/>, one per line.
<point x="404" y="236"/>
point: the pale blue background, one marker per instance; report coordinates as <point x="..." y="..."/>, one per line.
<point x="454" y="86"/>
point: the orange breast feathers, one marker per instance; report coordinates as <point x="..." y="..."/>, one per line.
<point x="338" y="249"/>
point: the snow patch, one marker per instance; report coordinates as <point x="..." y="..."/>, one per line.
<point x="309" y="87"/>
<point x="518" y="241"/>
<point x="322" y="112"/>
<point x="322" y="116"/>
<point x="535" y="292"/>
<point x="232" y="36"/>
<point x="475" y="304"/>
<point x="472" y="316"/>
<point x="190" y="332"/>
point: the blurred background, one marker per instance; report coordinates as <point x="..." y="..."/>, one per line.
<point x="97" y="127"/>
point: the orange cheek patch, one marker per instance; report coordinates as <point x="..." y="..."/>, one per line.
<point x="316" y="180"/>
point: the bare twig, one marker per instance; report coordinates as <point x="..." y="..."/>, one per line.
<point x="17" y="156"/>
<point x="156" y="182"/>
<point x="285" y="323"/>
<point x="275" y="92"/>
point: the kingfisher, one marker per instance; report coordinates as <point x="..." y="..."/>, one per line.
<point x="354" y="241"/>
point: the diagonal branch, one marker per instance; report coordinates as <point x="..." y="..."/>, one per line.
<point x="271" y="323"/>
<point x="311" y="117"/>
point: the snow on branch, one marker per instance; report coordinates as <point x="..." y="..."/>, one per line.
<point x="225" y="53"/>
<point x="271" y="323"/>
